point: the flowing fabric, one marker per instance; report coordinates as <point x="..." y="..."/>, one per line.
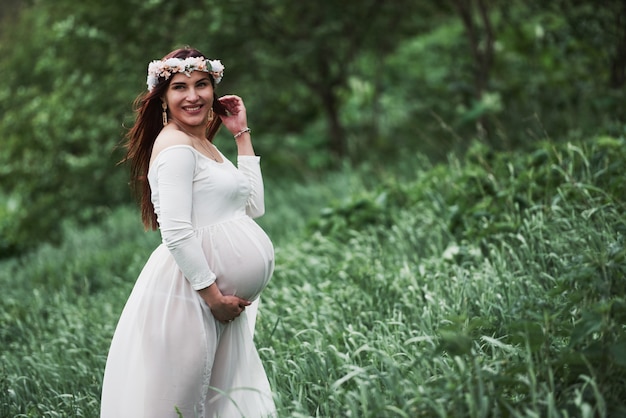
<point x="169" y="356"/>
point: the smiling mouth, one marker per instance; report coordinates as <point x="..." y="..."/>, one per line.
<point x="192" y="109"/>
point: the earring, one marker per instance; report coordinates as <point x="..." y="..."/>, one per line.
<point x="210" y="114"/>
<point x="164" y="106"/>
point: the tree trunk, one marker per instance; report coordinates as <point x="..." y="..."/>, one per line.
<point x="10" y="9"/>
<point x="481" y="44"/>
<point x="481" y="38"/>
<point x="336" y="131"/>
<point x="618" y="62"/>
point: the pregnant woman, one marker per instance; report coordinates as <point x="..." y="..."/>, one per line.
<point x="183" y="345"/>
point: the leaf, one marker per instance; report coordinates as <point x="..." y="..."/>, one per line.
<point x="590" y="323"/>
<point x="455" y="343"/>
<point x="618" y="352"/>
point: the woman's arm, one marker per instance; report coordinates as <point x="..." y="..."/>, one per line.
<point x="175" y="168"/>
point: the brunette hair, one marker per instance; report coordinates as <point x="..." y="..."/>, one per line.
<point x="148" y="123"/>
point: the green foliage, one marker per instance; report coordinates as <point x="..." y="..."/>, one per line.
<point x="489" y="193"/>
<point x="316" y="83"/>
<point x="547" y="227"/>
<point x="490" y="284"/>
<point x="539" y="85"/>
<point x="58" y="313"/>
<point x="502" y="185"/>
<point x="380" y="304"/>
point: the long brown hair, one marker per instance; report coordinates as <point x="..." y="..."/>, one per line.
<point x="148" y="123"/>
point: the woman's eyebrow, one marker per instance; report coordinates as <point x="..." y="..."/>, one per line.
<point x="184" y="83"/>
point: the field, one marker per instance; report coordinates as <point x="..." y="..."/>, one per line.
<point x="492" y="286"/>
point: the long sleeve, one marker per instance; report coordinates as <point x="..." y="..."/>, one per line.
<point x="250" y="166"/>
<point x="175" y="168"/>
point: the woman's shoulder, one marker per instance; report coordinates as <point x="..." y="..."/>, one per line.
<point x="169" y="138"/>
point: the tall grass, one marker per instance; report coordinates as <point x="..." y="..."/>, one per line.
<point x="485" y="287"/>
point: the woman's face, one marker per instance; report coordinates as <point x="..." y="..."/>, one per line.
<point x="190" y="99"/>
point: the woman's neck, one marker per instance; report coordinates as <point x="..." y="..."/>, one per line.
<point x="194" y="131"/>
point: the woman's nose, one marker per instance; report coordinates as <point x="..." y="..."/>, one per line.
<point x="192" y="95"/>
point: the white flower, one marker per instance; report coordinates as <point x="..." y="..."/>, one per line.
<point x="217" y="69"/>
<point x="172" y="62"/>
<point x="164" y="69"/>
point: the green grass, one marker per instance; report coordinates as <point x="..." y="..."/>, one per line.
<point x="485" y="287"/>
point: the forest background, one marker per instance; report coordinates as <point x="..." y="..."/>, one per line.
<point x="444" y="130"/>
<point x="326" y="83"/>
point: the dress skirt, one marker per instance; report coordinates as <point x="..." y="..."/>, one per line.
<point x="171" y="358"/>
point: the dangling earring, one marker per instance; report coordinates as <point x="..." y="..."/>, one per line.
<point x="210" y="114"/>
<point x="164" y="106"/>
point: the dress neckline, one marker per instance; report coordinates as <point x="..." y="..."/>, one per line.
<point x="224" y="159"/>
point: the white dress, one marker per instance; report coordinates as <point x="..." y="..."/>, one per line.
<point x="169" y="356"/>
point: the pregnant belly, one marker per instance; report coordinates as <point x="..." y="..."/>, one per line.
<point x="242" y="257"/>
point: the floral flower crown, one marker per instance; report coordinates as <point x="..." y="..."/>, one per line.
<point x="164" y="69"/>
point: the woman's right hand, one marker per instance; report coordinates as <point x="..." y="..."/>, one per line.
<point x="225" y="308"/>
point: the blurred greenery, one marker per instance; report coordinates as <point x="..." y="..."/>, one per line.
<point x="326" y="84"/>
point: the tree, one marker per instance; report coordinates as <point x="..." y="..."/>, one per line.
<point x="603" y="26"/>
<point x="317" y="43"/>
<point x="476" y="19"/>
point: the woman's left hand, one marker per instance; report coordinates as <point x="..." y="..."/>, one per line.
<point x="236" y="120"/>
